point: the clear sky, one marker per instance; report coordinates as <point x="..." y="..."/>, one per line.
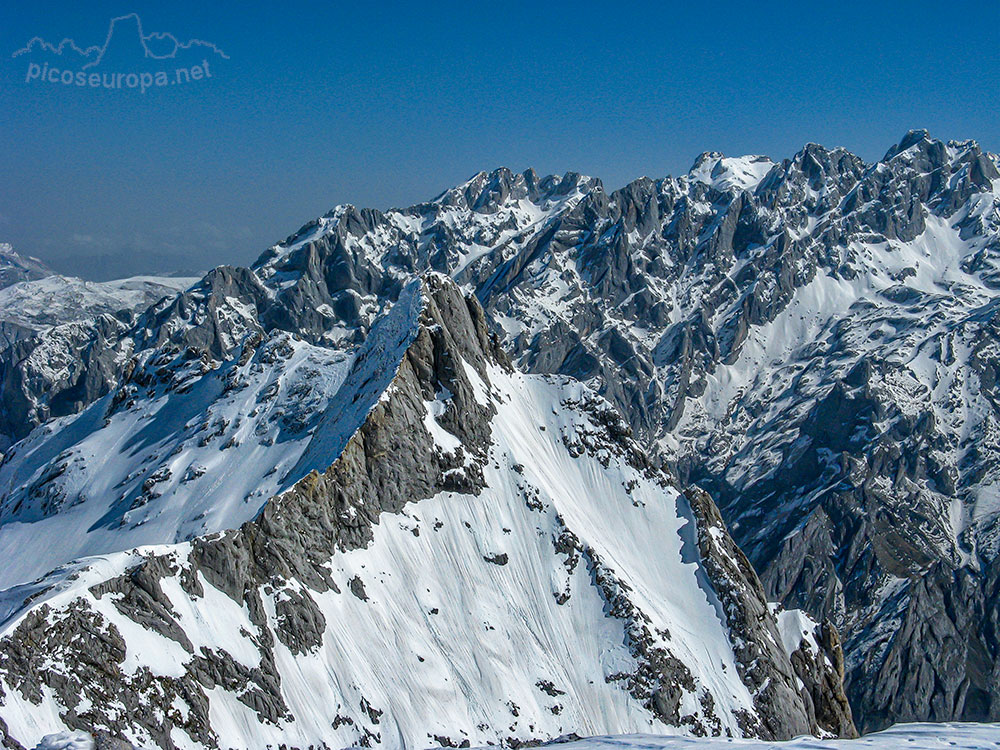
<point x="380" y="104"/>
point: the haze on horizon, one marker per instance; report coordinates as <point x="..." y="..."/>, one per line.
<point x="315" y="106"/>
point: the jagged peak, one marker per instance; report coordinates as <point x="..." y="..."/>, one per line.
<point x="484" y="192"/>
<point x="908" y="141"/>
<point x="705" y="157"/>
<point x="819" y="163"/>
<point x="812" y="152"/>
<point x="475" y="192"/>
<point x="636" y="186"/>
<point x="919" y="141"/>
<point x="919" y="151"/>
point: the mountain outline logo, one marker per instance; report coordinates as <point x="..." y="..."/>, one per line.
<point x="98" y="50"/>
<point x="128" y="58"/>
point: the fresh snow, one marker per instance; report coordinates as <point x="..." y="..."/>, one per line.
<point x="795" y="626"/>
<point x="900" y="737"/>
<point x="773" y="378"/>
<point x="727" y="174"/>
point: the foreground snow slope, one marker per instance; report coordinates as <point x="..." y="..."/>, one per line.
<point x="900" y="737"/>
<point x="947" y="736"/>
<point x="472" y="555"/>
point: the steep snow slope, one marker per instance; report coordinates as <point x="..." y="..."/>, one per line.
<point x="485" y="557"/>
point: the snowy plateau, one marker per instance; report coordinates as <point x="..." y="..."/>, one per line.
<point x="704" y="461"/>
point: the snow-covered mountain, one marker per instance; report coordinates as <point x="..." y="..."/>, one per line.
<point x="813" y="341"/>
<point x="15" y="267"/>
<point x="455" y="553"/>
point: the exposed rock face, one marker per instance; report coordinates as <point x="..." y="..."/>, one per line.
<point x="58" y="372"/>
<point x="301" y="625"/>
<point x="819" y="667"/>
<point x="811" y="341"/>
<point x="952" y="613"/>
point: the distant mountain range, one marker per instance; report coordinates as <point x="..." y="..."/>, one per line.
<point x="810" y="343"/>
<point x="15" y="268"/>
<point x="28" y="308"/>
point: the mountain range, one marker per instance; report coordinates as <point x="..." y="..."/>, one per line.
<point x="803" y="357"/>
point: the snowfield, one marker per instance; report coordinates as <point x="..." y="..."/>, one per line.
<point x="900" y="737"/>
<point x="457" y="604"/>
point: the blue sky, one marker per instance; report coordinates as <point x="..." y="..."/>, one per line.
<point x="320" y="104"/>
